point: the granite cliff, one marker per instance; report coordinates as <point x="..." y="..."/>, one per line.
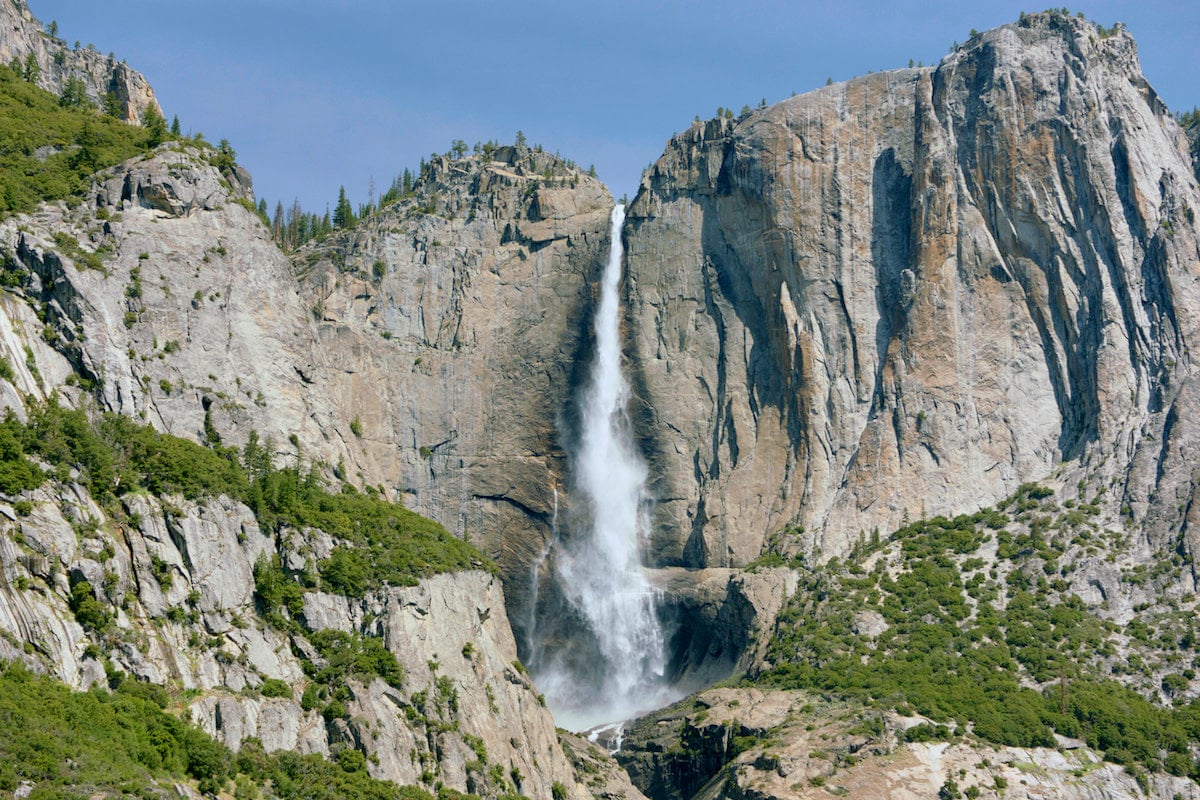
<point x="911" y="292"/>
<point x="165" y="299"/>
<point x="906" y="295"/>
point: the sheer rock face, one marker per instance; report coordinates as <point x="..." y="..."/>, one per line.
<point x="914" y="291"/>
<point x="437" y="375"/>
<point x="430" y="351"/>
<point x="21" y="35"/>
<point x="452" y="326"/>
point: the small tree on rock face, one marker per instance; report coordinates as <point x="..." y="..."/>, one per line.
<point x="343" y="213"/>
<point x="225" y="157"/>
<point x="32" y="70"/>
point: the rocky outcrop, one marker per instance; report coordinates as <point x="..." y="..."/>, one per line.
<point x="719" y="621"/>
<point x="175" y="581"/>
<point x="22" y="37"/>
<point x="740" y="743"/>
<point x="912" y="292"/>
<point x="1191" y="128"/>
<point x="170" y="301"/>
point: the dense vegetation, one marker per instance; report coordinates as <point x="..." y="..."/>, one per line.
<point x="49" y="146"/>
<point x="112" y="455"/>
<point x="124" y="742"/>
<point x="1005" y="654"/>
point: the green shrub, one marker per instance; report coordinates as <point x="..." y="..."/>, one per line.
<point x="274" y="687"/>
<point x="274" y="589"/>
<point x="83" y="139"/>
<point x="89" y="612"/>
<point x="349" y="654"/>
<point x="131" y="747"/>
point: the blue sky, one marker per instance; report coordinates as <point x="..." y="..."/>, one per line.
<point x="314" y="95"/>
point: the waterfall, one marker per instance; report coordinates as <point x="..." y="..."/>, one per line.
<point x="599" y="568"/>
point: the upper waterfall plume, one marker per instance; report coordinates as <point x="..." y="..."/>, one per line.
<point x="599" y="569"/>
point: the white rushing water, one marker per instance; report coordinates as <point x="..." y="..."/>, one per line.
<point x="600" y="570"/>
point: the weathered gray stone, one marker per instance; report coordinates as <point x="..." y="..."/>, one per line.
<point x="914" y="291"/>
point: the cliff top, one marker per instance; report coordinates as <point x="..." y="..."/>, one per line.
<point x="54" y="66"/>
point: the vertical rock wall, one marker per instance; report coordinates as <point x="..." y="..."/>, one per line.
<point x="912" y="292"/>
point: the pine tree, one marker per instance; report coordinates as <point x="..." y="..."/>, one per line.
<point x="32" y="70"/>
<point x="113" y="106"/>
<point x="86" y="157"/>
<point x="176" y="131"/>
<point x="155" y="125"/>
<point x="343" y="213"/>
<point x="74" y="93"/>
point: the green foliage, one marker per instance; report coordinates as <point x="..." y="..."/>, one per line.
<point x="292" y="776"/>
<point x="81" y="744"/>
<point x="114" y="455"/>
<point x="397" y="546"/>
<point x="127" y="739"/>
<point x="223" y="157"/>
<point x="274" y="589"/>
<point x="343" y="213"/>
<point x="89" y="612"/>
<point x="964" y="647"/>
<point x="69" y="246"/>
<point x="351" y="655"/>
<point x="81" y="141"/>
<point x="17" y="473"/>
<point x="273" y="687"/>
<point x="112" y="105"/>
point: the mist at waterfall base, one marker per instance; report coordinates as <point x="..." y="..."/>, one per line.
<point x="614" y="668"/>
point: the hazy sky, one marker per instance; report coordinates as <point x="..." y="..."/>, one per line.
<point x="314" y="95"/>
